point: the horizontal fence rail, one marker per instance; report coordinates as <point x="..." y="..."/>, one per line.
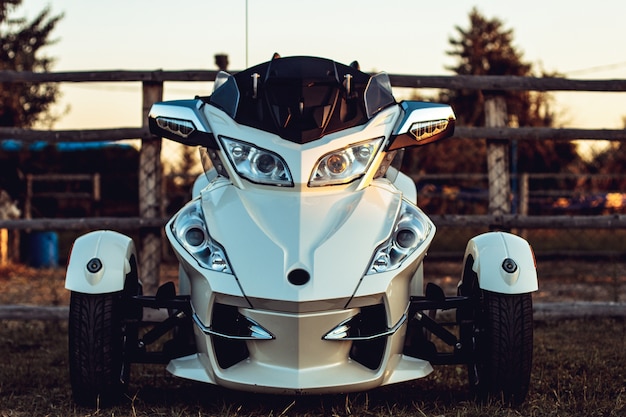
<point x="509" y="133"/>
<point x="451" y="82"/>
<point x="502" y="221"/>
<point x="542" y="312"/>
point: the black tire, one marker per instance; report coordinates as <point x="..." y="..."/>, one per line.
<point x="501" y="337"/>
<point x="98" y="340"/>
<point x="97" y="370"/>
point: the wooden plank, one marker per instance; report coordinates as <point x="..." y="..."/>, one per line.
<point x="107" y="76"/>
<point x="613" y="221"/>
<point x="88" y="135"/>
<point x="451" y="82"/>
<point x="32" y="312"/>
<point x="504" y="82"/>
<point x="90" y="223"/>
<point x="65" y="195"/>
<point x="545" y="311"/>
<point x="498" y="158"/>
<point x="509" y="221"/>
<point x="150" y="198"/>
<point x="61" y="177"/>
<point x="478" y="133"/>
<point x="578" y="310"/>
<point x="539" y="133"/>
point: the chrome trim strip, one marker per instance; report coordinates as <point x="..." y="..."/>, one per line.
<point x="341" y="332"/>
<point x="255" y="331"/>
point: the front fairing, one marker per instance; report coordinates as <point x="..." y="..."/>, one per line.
<point x="269" y="234"/>
<point x="266" y="235"/>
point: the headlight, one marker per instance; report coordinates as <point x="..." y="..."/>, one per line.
<point x="411" y="230"/>
<point x="191" y="232"/>
<point x="256" y="164"/>
<point x="344" y="165"/>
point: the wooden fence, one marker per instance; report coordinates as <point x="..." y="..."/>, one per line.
<point x="150" y="222"/>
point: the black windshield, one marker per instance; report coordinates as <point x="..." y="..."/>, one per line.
<point x="302" y="99"/>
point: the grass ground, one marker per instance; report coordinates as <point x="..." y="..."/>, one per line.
<point x="579" y="370"/>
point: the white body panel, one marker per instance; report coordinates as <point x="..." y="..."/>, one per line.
<point x="283" y="231"/>
<point x="114" y="250"/>
<point x="490" y="250"/>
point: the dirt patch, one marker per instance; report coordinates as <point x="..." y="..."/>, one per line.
<point x="20" y="284"/>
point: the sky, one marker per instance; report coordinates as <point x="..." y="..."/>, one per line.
<point x="581" y="40"/>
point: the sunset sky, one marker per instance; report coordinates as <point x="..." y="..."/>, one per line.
<point x="581" y="40"/>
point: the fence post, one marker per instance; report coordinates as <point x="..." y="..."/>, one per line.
<point x="524" y="195"/>
<point x="498" y="159"/>
<point x="150" y="175"/>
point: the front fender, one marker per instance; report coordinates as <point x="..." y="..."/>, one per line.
<point x="504" y="263"/>
<point x="99" y="262"/>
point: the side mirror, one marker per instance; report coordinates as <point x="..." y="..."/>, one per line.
<point x="423" y="123"/>
<point x="181" y="121"/>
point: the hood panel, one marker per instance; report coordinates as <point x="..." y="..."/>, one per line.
<point x="332" y="236"/>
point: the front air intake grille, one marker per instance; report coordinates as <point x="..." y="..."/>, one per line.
<point x="369" y="353"/>
<point x="226" y="320"/>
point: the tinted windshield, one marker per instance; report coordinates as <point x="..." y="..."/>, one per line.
<point x="302" y="99"/>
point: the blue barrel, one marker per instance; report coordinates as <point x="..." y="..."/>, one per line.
<point x="43" y="250"/>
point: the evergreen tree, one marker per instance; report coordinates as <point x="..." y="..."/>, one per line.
<point x="486" y="48"/>
<point x="21" y="41"/>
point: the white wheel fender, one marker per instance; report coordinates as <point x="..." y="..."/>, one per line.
<point x="503" y="262"/>
<point x="99" y="262"/>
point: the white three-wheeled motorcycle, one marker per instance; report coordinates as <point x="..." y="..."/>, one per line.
<point x="301" y="252"/>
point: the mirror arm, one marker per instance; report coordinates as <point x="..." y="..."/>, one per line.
<point x="404" y="140"/>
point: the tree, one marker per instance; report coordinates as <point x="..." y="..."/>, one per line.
<point x="611" y="162"/>
<point x="486" y="48"/>
<point x="21" y="41"/>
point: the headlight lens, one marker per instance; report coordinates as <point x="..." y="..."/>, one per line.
<point x="411" y="230"/>
<point x="256" y="164"/>
<point x="190" y="231"/>
<point x="344" y="165"/>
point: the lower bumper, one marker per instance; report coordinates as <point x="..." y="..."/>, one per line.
<point x="298" y="360"/>
<point x="256" y="377"/>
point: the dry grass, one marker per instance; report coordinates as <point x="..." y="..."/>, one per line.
<point x="579" y="370"/>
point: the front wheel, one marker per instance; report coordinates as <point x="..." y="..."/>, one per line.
<point x="502" y="340"/>
<point x="101" y="329"/>
<point x="98" y="372"/>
